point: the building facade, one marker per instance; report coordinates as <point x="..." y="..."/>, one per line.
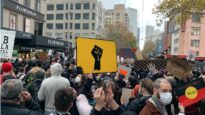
<point x="68" y="19"/>
<point x="149" y="31"/>
<point x="186" y="39"/>
<point x="24" y="17"/>
<point x="116" y="16"/>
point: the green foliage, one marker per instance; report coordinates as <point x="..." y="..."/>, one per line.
<point x="183" y="9"/>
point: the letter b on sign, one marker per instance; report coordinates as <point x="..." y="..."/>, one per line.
<point x="6" y="39"/>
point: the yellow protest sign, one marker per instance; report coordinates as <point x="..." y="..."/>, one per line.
<point x="96" y="56"/>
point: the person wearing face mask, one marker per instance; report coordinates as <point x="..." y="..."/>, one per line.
<point x="161" y="97"/>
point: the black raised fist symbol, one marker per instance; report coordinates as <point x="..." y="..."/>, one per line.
<point x="97" y="54"/>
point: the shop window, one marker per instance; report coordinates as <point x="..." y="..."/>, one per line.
<point x="13" y="22"/>
<point x="59" y="16"/>
<point x="85" y="16"/>
<point x="27" y="25"/>
<point x="50" y="7"/>
<point x="59" y="26"/>
<point x="50" y="16"/>
<point x="60" y="6"/>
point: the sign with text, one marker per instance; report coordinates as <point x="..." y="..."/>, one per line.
<point x="96" y="56"/>
<point x="126" y="71"/>
<point x="191" y="92"/>
<point x="7" y="39"/>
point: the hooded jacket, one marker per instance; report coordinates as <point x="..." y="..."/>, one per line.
<point x="50" y="85"/>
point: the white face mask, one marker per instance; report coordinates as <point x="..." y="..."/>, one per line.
<point x="165" y="98"/>
<point x="78" y="79"/>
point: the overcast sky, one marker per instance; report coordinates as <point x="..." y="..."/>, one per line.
<point x="145" y="16"/>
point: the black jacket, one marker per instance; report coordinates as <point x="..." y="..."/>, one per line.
<point x="138" y="104"/>
<point x="32" y="108"/>
<point x="106" y="112"/>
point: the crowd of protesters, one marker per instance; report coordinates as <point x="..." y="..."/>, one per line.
<point x="58" y="87"/>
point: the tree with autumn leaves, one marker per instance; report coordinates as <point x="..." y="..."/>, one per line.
<point x="121" y="35"/>
<point x="148" y="48"/>
<point x="182" y="9"/>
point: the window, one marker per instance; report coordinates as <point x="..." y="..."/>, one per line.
<point x="27" y="25"/>
<point x="78" y="6"/>
<point x="195" y="30"/>
<point x="77" y="26"/>
<point x="93" y="6"/>
<point x="59" y="36"/>
<point x="195" y="43"/>
<point x="50" y="7"/>
<point x="85" y="15"/>
<point x="196" y="18"/>
<point x="71" y="35"/>
<point x="37" y="5"/>
<point x="66" y="35"/>
<point x="66" y="6"/>
<point x="71" y="16"/>
<point x="71" y="6"/>
<point x="50" y="16"/>
<point x="66" y="25"/>
<point x="117" y="14"/>
<point x="77" y="34"/>
<point x="86" y="26"/>
<point x="197" y="53"/>
<point x="49" y="34"/>
<point x="59" y="26"/>
<point x="60" y="6"/>
<point x="49" y="26"/>
<point x="27" y="3"/>
<point x="175" y="50"/>
<point x="66" y="16"/>
<point x="13" y="22"/>
<point x="77" y="16"/>
<point x="176" y="41"/>
<point x="59" y="16"/>
<point x="93" y="16"/>
<point x="71" y="25"/>
<point x="86" y="5"/>
<point x="93" y="26"/>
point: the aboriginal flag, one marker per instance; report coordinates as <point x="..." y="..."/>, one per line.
<point x="191" y="92"/>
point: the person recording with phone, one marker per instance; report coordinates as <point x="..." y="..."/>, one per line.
<point x="16" y="101"/>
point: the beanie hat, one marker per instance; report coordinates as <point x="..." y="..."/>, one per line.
<point x="6" y="67"/>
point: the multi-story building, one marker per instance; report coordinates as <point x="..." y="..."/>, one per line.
<point x="149" y="31"/>
<point x="192" y="38"/>
<point x="68" y="19"/>
<point x="187" y="39"/>
<point x="116" y="16"/>
<point x="24" y="17"/>
<point x="133" y="22"/>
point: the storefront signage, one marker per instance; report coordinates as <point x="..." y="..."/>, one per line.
<point x="16" y="7"/>
<point x="53" y="42"/>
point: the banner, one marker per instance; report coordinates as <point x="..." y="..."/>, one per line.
<point x="96" y="56"/>
<point x="143" y="64"/>
<point x="7" y="39"/>
<point x="191" y="92"/>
